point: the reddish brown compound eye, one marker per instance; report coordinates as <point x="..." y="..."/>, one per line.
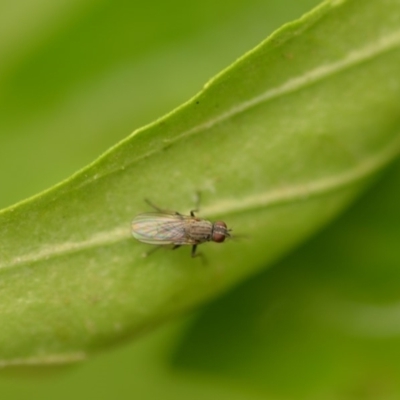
<point x="219" y="232"/>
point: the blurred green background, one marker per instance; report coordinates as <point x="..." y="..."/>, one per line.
<point x="76" y="77"/>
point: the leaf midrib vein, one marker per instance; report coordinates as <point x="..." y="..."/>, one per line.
<point x="282" y="195"/>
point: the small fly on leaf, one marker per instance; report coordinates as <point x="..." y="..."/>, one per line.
<point x="166" y="227"/>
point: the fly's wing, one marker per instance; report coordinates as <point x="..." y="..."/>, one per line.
<point x="158" y="228"/>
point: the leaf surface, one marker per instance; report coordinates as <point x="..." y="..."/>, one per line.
<point x="277" y="144"/>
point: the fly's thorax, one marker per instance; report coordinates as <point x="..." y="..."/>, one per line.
<point x="199" y="230"/>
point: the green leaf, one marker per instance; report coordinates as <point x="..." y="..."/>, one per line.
<point x="325" y="319"/>
<point x="277" y="144"/>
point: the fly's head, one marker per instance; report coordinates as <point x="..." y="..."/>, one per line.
<point x="219" y="232"/>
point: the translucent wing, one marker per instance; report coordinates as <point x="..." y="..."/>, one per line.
<point x="158" y="228"/>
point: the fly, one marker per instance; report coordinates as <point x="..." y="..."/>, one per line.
<point x="166" y="227"/>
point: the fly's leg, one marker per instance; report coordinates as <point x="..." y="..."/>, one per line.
<point x="201" y="255"/>
<point x="197" y="205"/>
<point x="194" y="254"/>
<point x="160" y="210"/>
<point x="153" y="250"/>
<point x="197" y="200"/>
<point x="156" y="207"/>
